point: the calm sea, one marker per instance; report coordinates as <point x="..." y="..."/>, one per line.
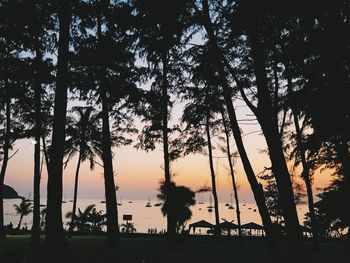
<point x="145" y="218"/>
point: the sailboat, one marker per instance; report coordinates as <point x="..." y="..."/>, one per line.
<point x="210" y="207"/>
<point x="200" y="201"/>
<point x="103" y="201"/>
<point x="158" y="203"/>
<point x="120" y="201"/>
<point x="148" y="204"/>
<point x="64" y="199"/>
<point x="231" y="206"/>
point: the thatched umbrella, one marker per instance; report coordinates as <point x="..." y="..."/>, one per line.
<point x="200" y="224"/>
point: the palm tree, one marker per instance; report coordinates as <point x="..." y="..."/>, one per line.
<point x="111" y="198"/>
<point x="88" y="220"/>
<point x="205" y="102"/>
<point x="182" y="198"/>
<point x="23" y="209"/>
<point x="54" y="225"/>
<point x="11" y="71"/>
<point x="84" y="138"/>
<point x="161" y="25"/>
<point x="107" y="57"/>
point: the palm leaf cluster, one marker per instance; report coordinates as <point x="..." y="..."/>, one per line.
<point x="88" y="220"/>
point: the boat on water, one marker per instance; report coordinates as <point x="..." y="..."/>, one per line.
<point x="210" y="207"/>
<point x="64" y="199"/>
<point x="231" y="205"/>
<point x="148" y="204"/>
<point x="120" y="200"/>
<point x="159" y="203"/>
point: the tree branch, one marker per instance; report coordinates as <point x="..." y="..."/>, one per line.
<point x="239" y="85"/>
<point x="13" y="154"/>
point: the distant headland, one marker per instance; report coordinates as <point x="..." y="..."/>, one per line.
<point x="10" y="193"/>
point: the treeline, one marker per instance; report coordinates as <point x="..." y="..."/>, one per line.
<point x="288" y="61"/>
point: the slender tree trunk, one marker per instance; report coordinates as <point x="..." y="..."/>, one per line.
<point x="235" y="190"/>
<point x="110" y="191"/>
<point x="54" y="228"/>
<point x="35" y="238"/>
<point x="305" y="168"/>
<point x="6" y="148"/>
<point x="111" y="199"/>
<point x="306" y="177"/>
<point x="212" y="174"/>
<point x="255" y="186"/>
<point x="171" y="224"/>
<point x="268" y="122"/>
<point x="20" y="222"/>
<point x="46" y="156"/>
<point x="75" y="198"/>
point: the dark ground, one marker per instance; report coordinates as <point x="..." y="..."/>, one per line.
<point x="154" y="249"/>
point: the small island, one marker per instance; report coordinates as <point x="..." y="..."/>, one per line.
<point x="10" y="193"/>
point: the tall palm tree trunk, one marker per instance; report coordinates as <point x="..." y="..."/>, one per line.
<point x="35" y="237"/>
<point x="5" y="160"/>
<point x="212" y="174"/>
<point x="232" y="173"/>
<point x="20" y="222"/>
<point x="75" y="198"/>
<point x="54" y="226"/>
<point x="268" y="122"/>
<point x="110" y="191"/>
<point x="111" y="199"/>
<point x="171" y="224"/>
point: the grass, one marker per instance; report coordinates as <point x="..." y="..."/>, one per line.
<point x="148" y="249"/>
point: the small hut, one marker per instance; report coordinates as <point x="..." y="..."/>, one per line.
<point x="228" y="226"/>
<point x="254" y="229"/>
<point x="200" y="224"/>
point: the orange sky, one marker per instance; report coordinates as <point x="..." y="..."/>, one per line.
<point x="138" y="172"/>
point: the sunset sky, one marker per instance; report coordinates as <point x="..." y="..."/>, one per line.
<point x="139" y="173"/>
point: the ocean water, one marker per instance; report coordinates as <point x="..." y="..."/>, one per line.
<point x="145" y="218"/>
